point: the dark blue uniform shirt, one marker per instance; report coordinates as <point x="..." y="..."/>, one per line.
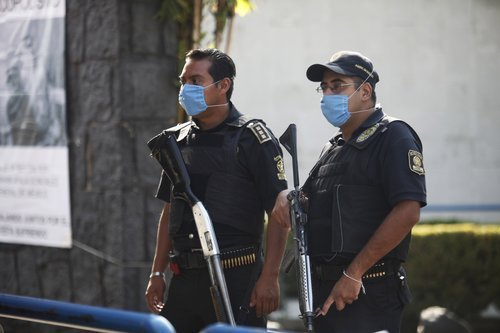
<point x="265" y="167"/>
<point x="380" y="157"/>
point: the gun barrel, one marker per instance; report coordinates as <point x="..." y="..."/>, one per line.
<point x="219" y="284"/>
<point x="303" y="263"/>
<point x="299" y="219"/>
<point x="212" y="255"/>
<point x="308" y="321"/>
<point x="304" y="272"/>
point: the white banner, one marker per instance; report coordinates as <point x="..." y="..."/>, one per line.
<point x="34" y="198"/>
<point x="34" y="171"/>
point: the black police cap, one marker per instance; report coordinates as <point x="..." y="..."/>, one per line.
<point x="346" y="63"/>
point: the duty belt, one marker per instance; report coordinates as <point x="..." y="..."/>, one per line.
<point x="230" y="257"/>
<point x="379" y="270"/>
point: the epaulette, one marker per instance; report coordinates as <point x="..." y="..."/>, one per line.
<point x="240" y="121"/>
<point x="260" y="130"/>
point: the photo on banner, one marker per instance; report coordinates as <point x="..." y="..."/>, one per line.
<point x="34" y="166"/>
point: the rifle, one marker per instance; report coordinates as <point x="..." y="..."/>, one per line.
<point x="298" y="218"/>
<point x="165" y="150"/>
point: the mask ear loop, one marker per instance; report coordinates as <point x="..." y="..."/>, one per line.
<point x="211" y="84"/>
<point x="359" y="111"/>
<point x="369" y="76"/>
<point x="211" y="106"/>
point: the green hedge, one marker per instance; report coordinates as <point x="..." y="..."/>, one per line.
<point x="456" y="266"/>
<point x="453" y="265"/>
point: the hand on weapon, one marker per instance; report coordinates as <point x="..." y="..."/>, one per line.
<point x="343" y="293"/>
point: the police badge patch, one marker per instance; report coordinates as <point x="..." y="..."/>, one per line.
<point x="416" y="162"/>
<point x="281" y="167"/>
<point x="367" y="133"/>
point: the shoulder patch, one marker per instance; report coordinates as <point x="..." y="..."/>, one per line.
<point x="367" y="133"/>
<point x="260" y="131"/>
<point x="416" y="162"/>
<point x="281" y="167"/>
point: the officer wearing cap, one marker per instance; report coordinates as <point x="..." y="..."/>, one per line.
<point x="236" y="169"/>
<point x="364" y="196"/>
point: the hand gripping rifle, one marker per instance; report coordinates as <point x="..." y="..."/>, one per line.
<point x="299" y="220"/>
<point x="165" y="150"/>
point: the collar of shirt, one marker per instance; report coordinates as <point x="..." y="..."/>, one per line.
<point x="234" y="116"/>
<point x="374" y="118"/>
<point x="232" y="119"/>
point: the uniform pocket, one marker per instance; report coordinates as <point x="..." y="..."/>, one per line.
<point x="332" y="169"/>
<point x="383" y="296"/>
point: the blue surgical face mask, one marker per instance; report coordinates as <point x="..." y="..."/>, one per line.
<point x="335" y="108"/>
<point x="192" y="99"/>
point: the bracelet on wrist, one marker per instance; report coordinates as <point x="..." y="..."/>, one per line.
<point x="358" y="281"/>
<point x="155" y="274"/>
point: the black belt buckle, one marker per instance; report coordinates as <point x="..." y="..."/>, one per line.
<point x="195" y="259"/>
<point x="189" y="260"/>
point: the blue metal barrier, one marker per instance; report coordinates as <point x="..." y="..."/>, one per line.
<point x="80" y="316"/>
<point x="224" y="328"/>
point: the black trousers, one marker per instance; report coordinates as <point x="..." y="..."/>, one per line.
<point x="189" y="306"/>
<point x="380" y="309"/>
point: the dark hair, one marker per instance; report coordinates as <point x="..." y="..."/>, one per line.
<point x="222" y="65"/>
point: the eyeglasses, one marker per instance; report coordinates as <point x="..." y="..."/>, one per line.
<point x="335" y="86"/>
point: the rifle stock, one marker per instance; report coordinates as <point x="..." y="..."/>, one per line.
<point x="165" y="150"/>
<point x="298" y="219"/>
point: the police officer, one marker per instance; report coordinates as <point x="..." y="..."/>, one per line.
<point x="364" y="196"/>
<point x="236" y="169"/>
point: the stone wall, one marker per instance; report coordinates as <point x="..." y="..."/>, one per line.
<point x="121" y="74"/>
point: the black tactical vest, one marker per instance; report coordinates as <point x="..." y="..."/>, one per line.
<point x="345" y="205"/>
<point x="222" y="184"/>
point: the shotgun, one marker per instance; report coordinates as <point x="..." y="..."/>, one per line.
<point x="165" y="150"/>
